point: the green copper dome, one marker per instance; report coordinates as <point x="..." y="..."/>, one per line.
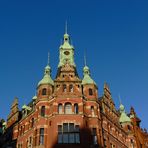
<point x="87" y="79"/>
<point x="47" y="78"/>
<point x="123" y="117"/>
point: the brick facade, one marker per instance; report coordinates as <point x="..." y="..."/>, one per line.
<point x="70" y="113"/>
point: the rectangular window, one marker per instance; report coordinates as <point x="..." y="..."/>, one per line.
<point x="68" y="133"/>
<point x="94" y="136"/>
<point x="41" y="142"/>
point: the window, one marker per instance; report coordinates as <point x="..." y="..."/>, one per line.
<point x="90" y="92"/>
<point x="60" y="108"/>
<point x="41" y="142"/>
<point x="64" y="88"/>
<point x="68" y="108"/>
<point x="129" y="128"/>
<point x="21" y="130"/>
<point x="32" y="122"/>
<point x="44" y="91"/>
<point x="30" y="140"/>
<point x="43" y="111"/>
<point x="35" y="137"/>
<point x="94" y="136"/>
<point x="68" y="133"/>
<point x="70" y="88"/>
<point x="76" y="109"/>
<point x="92" y="111"/>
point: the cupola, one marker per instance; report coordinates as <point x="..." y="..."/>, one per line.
<point x="123" y="116"/>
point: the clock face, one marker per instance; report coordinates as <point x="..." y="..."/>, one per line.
<point x="66" y="52"/>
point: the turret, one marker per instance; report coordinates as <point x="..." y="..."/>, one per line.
<point x="46" y="85"/>
<point x="89" y="86"/>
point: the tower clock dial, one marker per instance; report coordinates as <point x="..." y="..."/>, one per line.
<point x="66" y="52"/>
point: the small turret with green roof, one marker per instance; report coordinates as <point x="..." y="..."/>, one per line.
<point x="86" y="75"/>
<point x="123" y="117"/>
<point x="47" y="75"/>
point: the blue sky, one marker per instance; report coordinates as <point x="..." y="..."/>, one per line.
<point x="113" y="33"/>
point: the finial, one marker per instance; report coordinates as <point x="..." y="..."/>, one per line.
<point x="66" y="27"/>
<point x="85" y="58"/>
<point x="48" y="59"/>
<point x="119" y="99"/>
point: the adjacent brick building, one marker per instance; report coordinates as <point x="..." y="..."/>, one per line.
<point x="67" y="112"/>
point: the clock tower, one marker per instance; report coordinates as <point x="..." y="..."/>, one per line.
<point x="66" y="52"/>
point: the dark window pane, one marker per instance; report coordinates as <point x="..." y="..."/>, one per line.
<point x="41" y="142"/>
<point x="44" y="91"/>
<point x="77" y="138"/>
<point x="71" y="127"/>
<point x="60" y="138"/>
<point x="43" y="111"/>
<point x="77" y="129"/>
<point x="65" y="138"/>
<point x="76" y="109"/>
<point x="59" y="128"/>
<point x="90" y="92"/>
<point x="71" y="138"/>
<point x="41" y="131"/>
<point x="65" y="127"/>
<point x="94" y="132"/>
<point x="95" y="140"/>
<point x="71" y="88"/>
<point x="64" y="88"/>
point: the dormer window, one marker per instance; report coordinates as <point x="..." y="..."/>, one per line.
<point x="90" y="92"/>
<point x="44" y="91"/>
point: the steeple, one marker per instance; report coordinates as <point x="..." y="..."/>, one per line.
<point x="47" y="75"/>
<point x="66" y="51"/>
<point x="86" y="74"/>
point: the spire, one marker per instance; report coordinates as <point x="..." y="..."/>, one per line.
<point x="66" y="27"/>
<point x="47" y="75"/>
<point x="84" y="59"/>
<point x="119" y="99"/>
<point x="48" y="59"/>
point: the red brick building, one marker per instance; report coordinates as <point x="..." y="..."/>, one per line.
<point x="67" y="112"/>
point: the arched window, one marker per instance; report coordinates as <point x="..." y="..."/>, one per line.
<point x="92" y="111"/>
<point x="64" y="88"/>
<point x="90" y="92"/>
<point x="60" y="108"/>
<point x="76" y="108"/>
<point x="43" y="111"/>
<point x="70" y="88"/>
<point x="44" y="91"/>
<point x="68" y="108"/>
